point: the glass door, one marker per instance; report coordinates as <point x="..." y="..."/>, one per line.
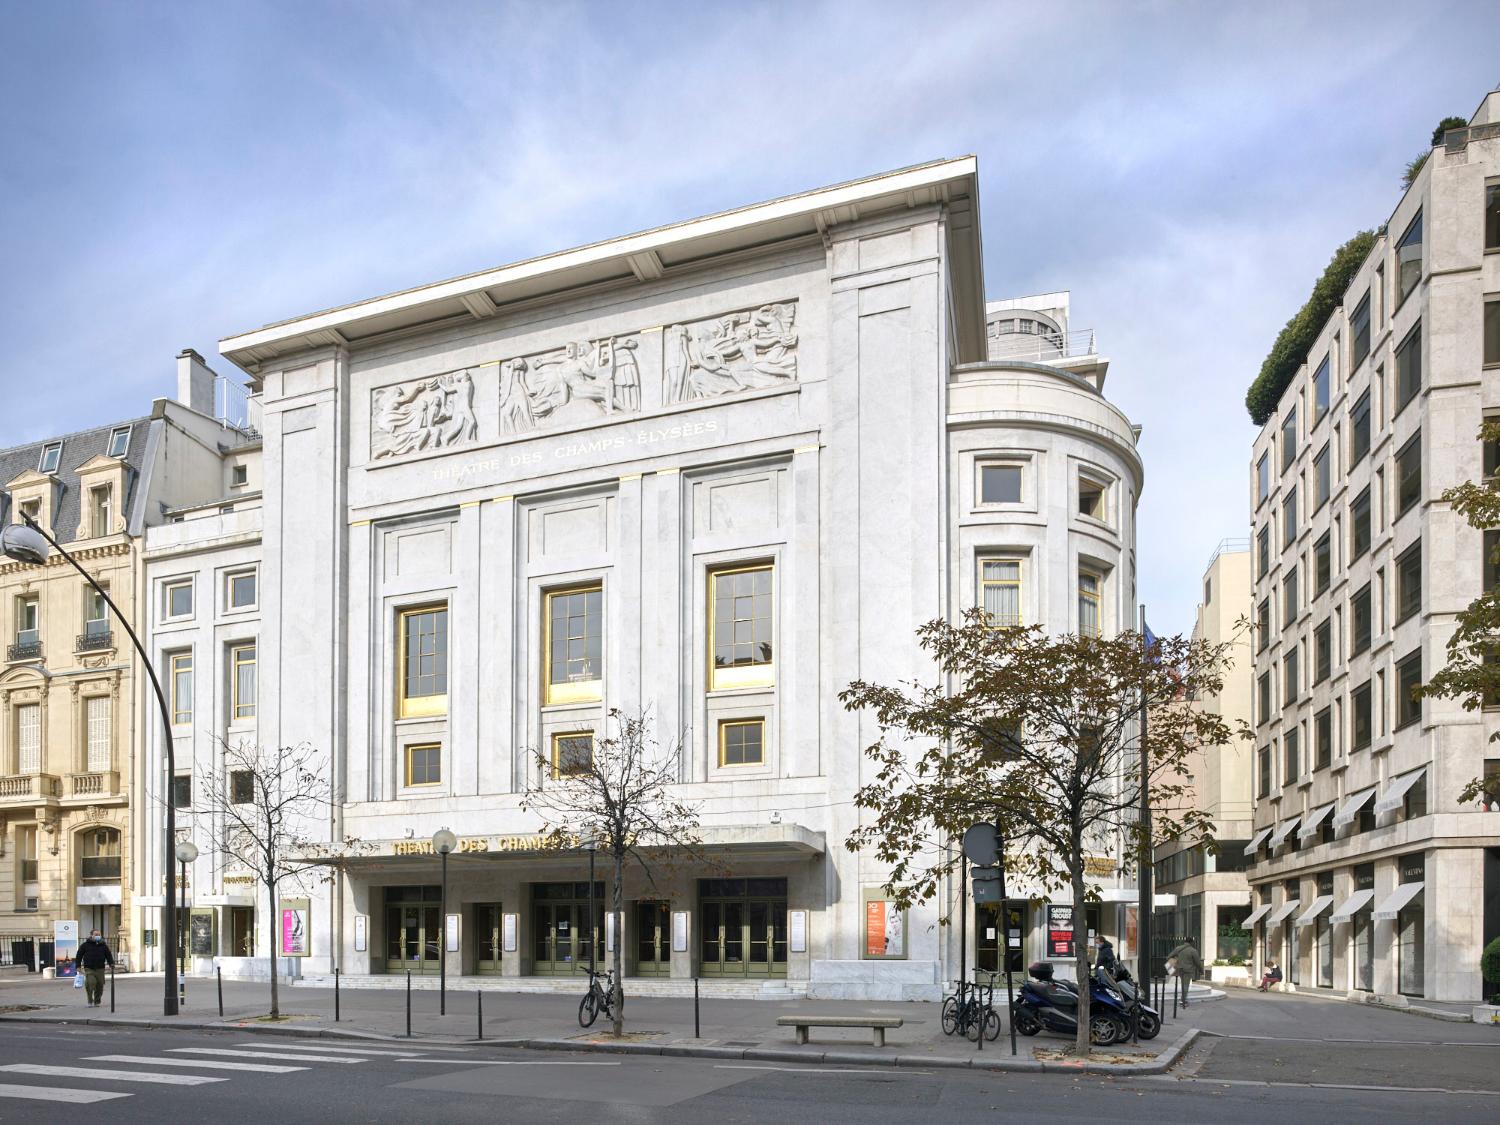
<point x="487" y="927"/>
<point x="653" y="939"/>
<point x="413" y="929"/>
<point x="987" y="936"/>
<point x="742" y="927"/>
<point x="560" y="936"/>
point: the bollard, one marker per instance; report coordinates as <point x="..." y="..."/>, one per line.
<point x="219" y="973"/>
<point x="1175" y="990"/>
<point x="479" y="1008"/>
<point x="335" y="994"/>
<point x="408" y="1003"/>
<point x="697" y="1028"/>
<point x="111" y="989"/>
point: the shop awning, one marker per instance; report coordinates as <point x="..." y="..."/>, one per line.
<point x="1310" y="915"/>
<point x="1282" y="911"/>
<point x="1396" y="791"/>
<point x="1397" y="899"/>
<point x="1283" y="831"/>
<point x="1256" y="915"/>
<point x="1351" y="806"/>
<point x="1314" y="821"/>
<point x="1258" y="839"/>
<point x="1352" y="906"/>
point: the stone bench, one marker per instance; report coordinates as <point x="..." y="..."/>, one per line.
<point x="876" y="1024"/>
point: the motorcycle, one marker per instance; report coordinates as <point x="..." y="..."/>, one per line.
<point x="1150" y="1025"/>
<point x="1045" y="1004"/>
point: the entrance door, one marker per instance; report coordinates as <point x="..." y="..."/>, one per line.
<point x="487" y="926"/>
<point x="653" y="939"/>
<point x="560" y="936"/>
<point x="743" y="927"/>
<point x="241" y="931"/>
<point x="411" y="938"/>
<point x="992" y="937"/>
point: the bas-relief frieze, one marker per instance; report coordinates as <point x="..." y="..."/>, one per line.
<point x="741" y="351"/>
<point x="572" y="385"/>
<point x="435" y="413"/>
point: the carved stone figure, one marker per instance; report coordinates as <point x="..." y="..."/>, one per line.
<point x="738" y="352"/>
<point x="435" y="413"/>
<point x="579" y="382"/>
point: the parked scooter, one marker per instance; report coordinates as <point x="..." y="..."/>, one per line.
<point x="1124" y="984"/>
<point x="1045" y="1004"/>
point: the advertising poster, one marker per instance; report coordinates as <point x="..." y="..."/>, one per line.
<point x="679" y="931"/>
<point x="361" y="933"/>
<point x="1059" y="931"/>
<point x="508" y="932"/>
<point x="885" y="929"/>
<point x="201" y="933"/>
<point x="797" y="930"/>
<point x="65" y="947"/>
<point x="296" y="926"/>
<point x="452" y="932"/>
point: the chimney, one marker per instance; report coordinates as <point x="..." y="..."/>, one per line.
<point x="195" y="382"/>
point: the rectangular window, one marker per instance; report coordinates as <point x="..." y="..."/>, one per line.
<point x="95" y="613"/>
<point x="1263" y="625"/>
<point x="1289" y="518"/>
<point x="1000" y="484"/>
<point x="1263" y="478"/>
<point x="1409" y="260"/>
<point x="1409" y="582"/>
<point x="424" y="661"/>
<point x="182" y="791"/>
<point x="28" y="620"/>
<point x="740" y="627"/>
<point x="101" y="503"/>
<point x="51" y="456"/>
<point x="1409" y="476"/>
<point x="424" y="764"/>
<point x="177" y="598"/>
<point x="1093" y="498"/>
<point x="1409" y="368"/>
<point x="1491" y="333"/>
<point x="239" y="476"/>
<point x="1289" y="440"/>
<point x="100" y="752"/>
<point x="119" y="441"/>
<point x="1322" y="652"/>
<point x="242" y="682"/>
<point x="180" y="672"/>
<point x="1290" y="759"/>
<point x="1289" y="599"/>
<point x="1263" y="551"/>
<point x="1265" y="697"/>
<point x="1359" y="525"/>
<point x="1323" y="475"/>
<point x="1491" y="560"/>
<point x="1359" y="429"/>
<point x="1208" y="591"/>
<point x="1408" y="679"/>
<point x="1362" y="715"/>
<point x="1000" y="590"/>
<point x="742" y="742"/>
<point x="241" y="787"/>
<point x="1320" y="391"/>
<point x="1089" y="585"/>
<point x="1492" y="215"/>
<point x="1322" y="563"/>
<point x="1359" y="324"/>
<point x="29" y="738"/>
<point x="1264" y="754"/>
<point x="1289" y="678"/>
<point x="575" y="644"/>
<point x="1323" y="739"/>
<point x="1361" y="621"/>
<point x="239" y="590"/>
<point x="572" y="754"/>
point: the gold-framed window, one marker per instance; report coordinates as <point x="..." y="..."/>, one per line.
<point x="573" y="644"/>
<point x="242" y="681"/>
<point x="740" y="626"/>
<point x="1000" y="590"/>
<point x="423" y="764"/>
<point x="742" y="742"/>
<point x="1090" y="602"/>
<point x="572" y="753"/>
<point x="423" y="681"/>
<point x="180" y="673"/>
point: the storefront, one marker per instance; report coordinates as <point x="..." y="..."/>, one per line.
<point x="1404" y="907"/>
<point x="1356" y="912"/>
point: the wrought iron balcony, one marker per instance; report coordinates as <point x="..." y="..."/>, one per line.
<point x="27" y="646"/>
<point x="94" y="640"/>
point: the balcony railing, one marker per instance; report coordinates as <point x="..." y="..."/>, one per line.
<point x="94" y="640"/>
<point x="100" y="868"/>
<point x="29" y="787"/>
<point x="95" y="783"/>
<point x="1042" y="346"/>
<point x="27" y="646"/>
<point x="1456" y="140"/>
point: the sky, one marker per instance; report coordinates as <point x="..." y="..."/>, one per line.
<point x="171" y="174"/>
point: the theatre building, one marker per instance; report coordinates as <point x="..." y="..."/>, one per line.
<point x="714" y="472"/>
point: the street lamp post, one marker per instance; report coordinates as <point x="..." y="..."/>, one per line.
<point x="187" y="852"/>
<point x="592" y="845"/>
<point x="443" y="842"/>
<point x="28" y="543"/>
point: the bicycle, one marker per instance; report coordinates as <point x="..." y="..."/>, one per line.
<point x="965" y="1013"/>
<point x="597" y="999"/>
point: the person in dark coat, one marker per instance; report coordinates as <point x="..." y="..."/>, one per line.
<point x="1106" y="956"/>
<point x="1189" y="966"/>
<point x="93" y="957"/>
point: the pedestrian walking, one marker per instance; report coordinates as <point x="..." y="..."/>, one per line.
<point x="93" y="956"/>
<point x="1188" y="963"/>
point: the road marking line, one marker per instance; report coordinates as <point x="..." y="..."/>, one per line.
<point x="263" y="1055"/>
<point x="52" y="1094"/>
<point x="111" y="1075"/>
<point x="509" y="1062"/>
<point x="822" y="1069"/>
<point x="1333" y="1086"/>
<point x="208" y="1064"/>
<point x="318" y="1047"/>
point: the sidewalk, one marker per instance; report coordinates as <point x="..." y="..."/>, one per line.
<point x="736" y="1029"/>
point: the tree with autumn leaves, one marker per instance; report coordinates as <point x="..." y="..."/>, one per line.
<point x="1043" y="734"/>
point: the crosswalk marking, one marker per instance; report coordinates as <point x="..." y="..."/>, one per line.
<point x="321" y="1049"/>
<point x="263" y="1055"/>
<point x="51" y="1094"/>
<point x="206" y="1064"/>
<point x="112" y="1075"/>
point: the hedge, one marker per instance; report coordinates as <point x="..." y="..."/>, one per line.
<point x="1289" y="351"/>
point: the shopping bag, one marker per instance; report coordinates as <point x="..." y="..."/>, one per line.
<point x="77" y="980"/>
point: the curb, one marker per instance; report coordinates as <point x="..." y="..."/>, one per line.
<point x="1159" y="1065"/>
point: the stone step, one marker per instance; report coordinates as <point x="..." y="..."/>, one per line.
<point x="717" y="987"/>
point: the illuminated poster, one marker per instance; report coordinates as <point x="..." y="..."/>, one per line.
<point x="296" y="926"/>
<point x="65" y="948"/>
<point x="1059" y="931"/>
<point x="885" y="929"/>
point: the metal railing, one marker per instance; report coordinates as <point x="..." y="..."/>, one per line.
<point x="232" y="405"/>
<point x="94" y="641"/>
<point x="1042" y="346"/>
<point x="1229" y="547"/>
<point x="25" y="647"/>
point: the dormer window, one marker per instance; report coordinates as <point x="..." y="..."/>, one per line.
<point x="31" y="509"/>
<point x="119" y="441"/>
<point x="51" y="457"/>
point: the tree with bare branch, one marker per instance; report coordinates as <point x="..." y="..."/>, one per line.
<point x="619" y="794"/>
<point x="1041" y="734"/>
<point x="267" y="814"/>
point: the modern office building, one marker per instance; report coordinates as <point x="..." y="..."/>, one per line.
<point x="1368" y="876"/>
<point x="713" y="471"/>
<point x="1209" y="885"/>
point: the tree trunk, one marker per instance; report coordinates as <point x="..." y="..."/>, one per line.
<point x="617" y="907"/>
<point x="271" y="915"/>
<point x="1081" y="955"/>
